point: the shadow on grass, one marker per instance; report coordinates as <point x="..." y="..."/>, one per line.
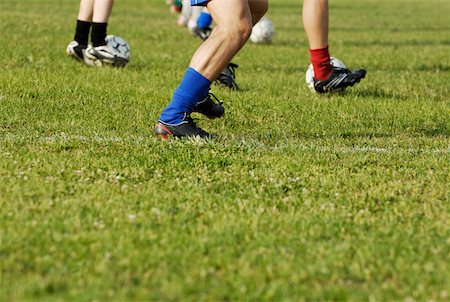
<point x="373" y="93"/>
<point x="440" y="130"/>
<point x="346" y="134"/>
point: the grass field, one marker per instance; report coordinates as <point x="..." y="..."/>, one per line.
<point x="302" y="197"/>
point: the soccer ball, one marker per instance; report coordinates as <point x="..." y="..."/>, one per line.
<point x="121" y="46"/>
<point x="309" y="77"/>
<point x="262" y="32"/>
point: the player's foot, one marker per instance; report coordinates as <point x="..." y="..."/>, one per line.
<point x="339" y="79"/>
<point x="103" y="55"/>
<point x="76" y="51"/>
<point x="211" y="106"/>
<point x="202" y="33"/>
<point x="187" y="128"/>
<point x="227" y="77"/>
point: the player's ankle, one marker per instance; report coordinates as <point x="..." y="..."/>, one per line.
<point x="320" y="58"/>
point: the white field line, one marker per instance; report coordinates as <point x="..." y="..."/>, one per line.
<point x="67" y="138"/>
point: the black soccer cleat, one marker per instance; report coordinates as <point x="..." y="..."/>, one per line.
<point x="187" y="128"/>
<point x="227" y="78"/>
<point x="202" y="33"/>
<point x="339" y="79"/>
<point x="211" y="106"/>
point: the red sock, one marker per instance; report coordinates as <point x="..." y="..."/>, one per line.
<point x="320" y="58"/>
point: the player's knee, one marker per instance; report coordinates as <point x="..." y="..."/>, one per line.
<point x="246" y="31"/>
<point x="242" y="31"/>
<point x="235" y="32"/>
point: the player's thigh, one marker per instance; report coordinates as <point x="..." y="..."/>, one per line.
<point x="230" y="12"/>
<point x="258" y="8"/>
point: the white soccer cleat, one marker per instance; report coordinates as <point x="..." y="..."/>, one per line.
<point x="104" y="55"/>
<point x="76" y="51"/>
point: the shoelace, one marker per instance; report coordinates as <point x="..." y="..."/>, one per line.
<point x="203" y="33"/>
<point x="214" y="98"/>
<point x="232" y="68"/>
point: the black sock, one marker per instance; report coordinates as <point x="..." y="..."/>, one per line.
<point x="98" y="34"/>
<point x="82" y="32"/>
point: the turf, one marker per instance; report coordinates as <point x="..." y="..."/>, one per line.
<point x="302" y="197"/>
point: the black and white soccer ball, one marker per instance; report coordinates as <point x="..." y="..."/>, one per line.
<point x="263" y="32"/>
<point x="121" y="46"/>
<point x="309" y="77"/>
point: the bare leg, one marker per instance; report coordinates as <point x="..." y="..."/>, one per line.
<point x="195" y="13"/>
<point x="258" y="8"/>
<point x="234" y="20"/>
<point x="102" y="10"/>
<point x="185" y="14"/>
<point x="233" y="24"/>
<point x="315" y="21"/>
<point x="80" y="41"/>
<point x="186" y="9"/>
<point x="326" y="78"/>
<point x="86" y="10"/>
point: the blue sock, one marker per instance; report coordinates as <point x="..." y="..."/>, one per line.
<point x="204" y="20"/>
<point x="193" y="88"/>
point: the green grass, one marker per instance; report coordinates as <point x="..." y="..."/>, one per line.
<point x="303" y="197"/>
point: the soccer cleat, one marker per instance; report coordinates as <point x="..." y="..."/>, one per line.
<point x="103" y="55"/>
<point x="76" y="51"/>
<point x="227" y="77"/>
<point x="339" y="79"/>
<point x="211" y="106"/>
<point x="187" y="128"/>
<point x="202" y="33"/>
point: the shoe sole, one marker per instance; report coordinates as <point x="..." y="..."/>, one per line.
<point x="100" y="60"/>
<point x="343" y="88"/>
<point x="74" y="55"/>
<point x="161" y="135"/>
<point x="357" y="80"/>
<point x="166" y="135"/>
